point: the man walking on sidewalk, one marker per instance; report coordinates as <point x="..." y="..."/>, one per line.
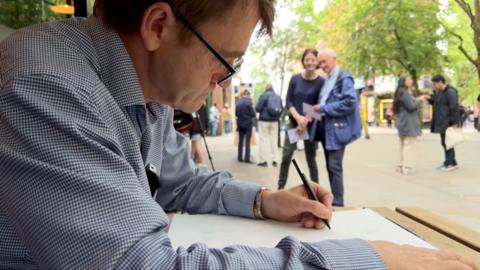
<point x="269" y="106"/>
<point x="245" y="115"/>
<point x="445" y="115"/>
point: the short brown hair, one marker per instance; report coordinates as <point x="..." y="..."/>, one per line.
<point x="125" y="15"/>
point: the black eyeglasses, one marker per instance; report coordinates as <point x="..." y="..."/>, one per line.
<point x="237" y="63"/>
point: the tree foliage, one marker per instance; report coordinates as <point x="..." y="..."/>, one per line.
<point x="461" y="49"/>
<point x="21" y="13"/>
<point x="371" y="37"/>
<point x="387" y="37"/>
<point x="280" y="55"/>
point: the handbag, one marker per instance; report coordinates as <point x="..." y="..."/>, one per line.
<point x="453" y="137"/>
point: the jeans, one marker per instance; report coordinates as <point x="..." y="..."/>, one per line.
<point x="334" y="162"/>
<point x="213" y="128"/>
<point x="227" y="126"/>
<point x="449" y="154"/>
<point x="288" y="150"/>
<point x="244" y="134"/>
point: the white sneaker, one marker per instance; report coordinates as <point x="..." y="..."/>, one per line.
<point x="408" y="170"/>
<point x="449" y="168"/>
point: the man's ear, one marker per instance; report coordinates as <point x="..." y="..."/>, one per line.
<point x="157" y="20"/>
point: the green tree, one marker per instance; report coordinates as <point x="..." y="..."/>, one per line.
<point x="279" y="55"/>
<point x="21" y="13"/>
<point x="389" y="36"/>
<point x="471" y="12"/>
<point x="462" y="49"/>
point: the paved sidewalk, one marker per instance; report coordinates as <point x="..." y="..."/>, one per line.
<point x="371" y="180"/>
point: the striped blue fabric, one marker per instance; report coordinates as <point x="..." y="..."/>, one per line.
<point x="75" y="135"/>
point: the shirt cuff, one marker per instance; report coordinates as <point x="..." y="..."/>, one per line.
<point x="238" y="197"/>
<point x="350" y="254"/>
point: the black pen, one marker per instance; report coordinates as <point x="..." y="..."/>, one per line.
<point x="309" y="189"/>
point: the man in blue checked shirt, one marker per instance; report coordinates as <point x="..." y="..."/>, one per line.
<point x="85" y="106"/>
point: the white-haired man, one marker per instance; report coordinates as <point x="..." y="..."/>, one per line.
<point x="340" y="123"/>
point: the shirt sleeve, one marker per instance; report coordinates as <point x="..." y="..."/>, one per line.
<point x="290" y="94"/>
<point x="76" y="203"/>
<point x="197" y="190"/>
<point x="261" y="103"/>
<point x="409" y="102"/>
<point x="345" y="104"/>
<point x="453" y="107"/>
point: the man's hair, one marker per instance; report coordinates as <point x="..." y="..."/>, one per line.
<point x="269" y="87"/>
<point x="328" y="51"/>
<point x="125" y="16"/>
<point x="438" y="78"/>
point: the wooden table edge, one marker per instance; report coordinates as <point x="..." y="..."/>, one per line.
<point x="442" y="225"/>
<point x="426" y="233"/>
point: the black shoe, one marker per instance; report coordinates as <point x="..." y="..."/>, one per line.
<point x="248" y="162"/>
<point x="263" y="164"/>
<point x="240" y="160"/>
<point x="274" y="164"/>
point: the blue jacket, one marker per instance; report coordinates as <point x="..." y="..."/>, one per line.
<point x="244" y="113"/>
<point x="262" y="106"/>
<point x="341" y="113"/>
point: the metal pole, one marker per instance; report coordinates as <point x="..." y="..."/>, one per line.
<point x="196" y="116"/>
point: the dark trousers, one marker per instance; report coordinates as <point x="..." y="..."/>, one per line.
<point x="449" y="154"/>
<point x="287" y="154"/>
<point x="244" y="134"/>
<point x="334" y="163"/>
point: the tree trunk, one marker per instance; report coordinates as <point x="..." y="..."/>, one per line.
<point x="476" y="35"/>
<point x="414" y="75"/>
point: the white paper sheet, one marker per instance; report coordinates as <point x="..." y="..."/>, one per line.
<point x="221" y="231"/>
<point x="308" y="110"/>
<point x="294" y="136"/>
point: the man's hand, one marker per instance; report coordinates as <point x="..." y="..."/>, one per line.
<point x="293" y="205"/>
<point x="407" y="257"/>
<point x="316" y="108"/>
<point x="427" y="97"/>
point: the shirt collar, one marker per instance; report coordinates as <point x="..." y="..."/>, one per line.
<point x="116" y="68"/>
<point x="334" y="73"/>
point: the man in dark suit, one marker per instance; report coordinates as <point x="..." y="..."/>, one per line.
<point x="445" y="114"/>
<point x="245" y="119"/>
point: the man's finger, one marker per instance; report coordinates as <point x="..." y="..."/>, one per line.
<point x="310" y="221"/>
<point x="307" y="221"/>
<point x="315" y="208"/>
<point x="457" y="265"/>
<point x="321" y="191"/>
<point x="324" y="195"/>
<point x="327" y="200"/>
<point x="447" y="255"/>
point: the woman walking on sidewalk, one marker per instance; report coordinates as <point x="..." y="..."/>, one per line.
<point x="405" y="109"/>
